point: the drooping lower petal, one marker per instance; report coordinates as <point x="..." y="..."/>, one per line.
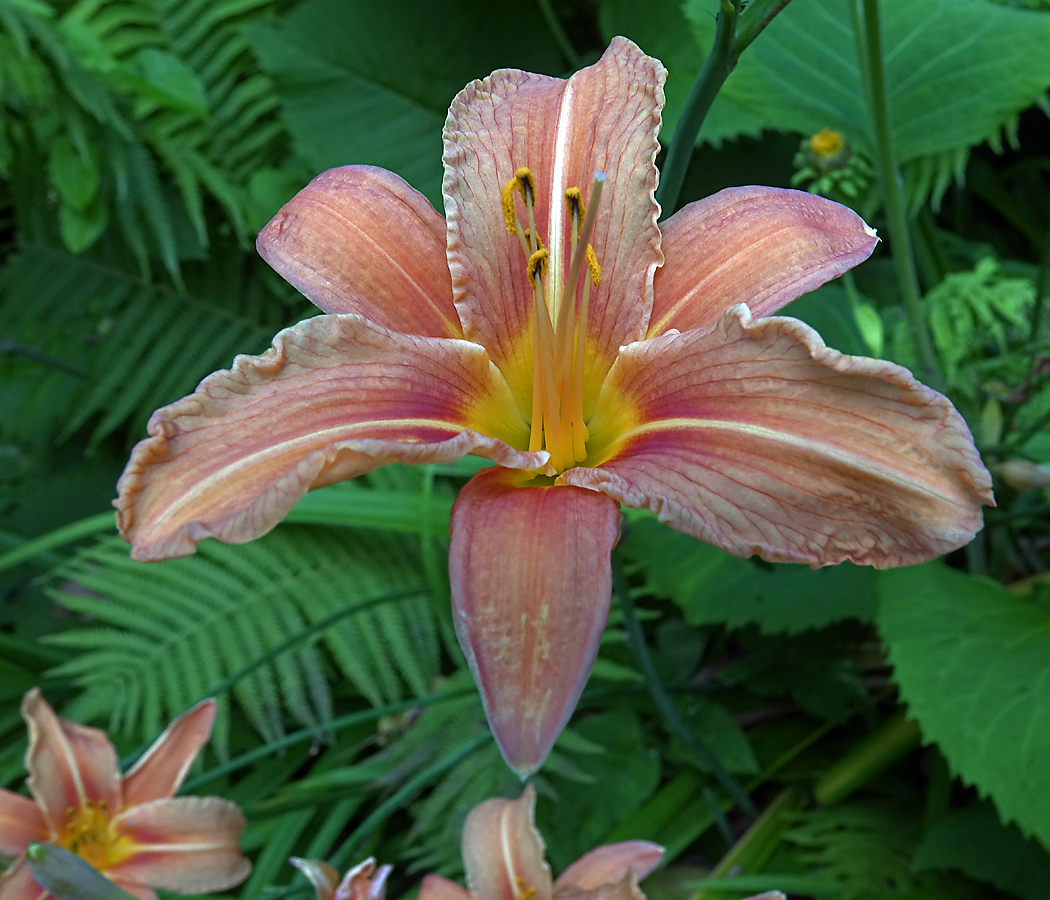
<point x="610" y="863"/>
<point x="17" y="883"/>
<point x="757" y="438"/>
<point x="605" y="118"/>
<point x="531" y="582"/>
<point x="20" y="823"/>
<point x="186" y="844"/>
<point x="69" y="765"/>
<point x="756" y="245"/>
<point x="358" y="239"/>
<point x="336" y="396"/>
<point x="436" y="887"/>
<point x="162" y="768"/>
<point x="503" y="852"/>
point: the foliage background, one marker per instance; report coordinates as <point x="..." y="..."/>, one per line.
<point x="889" y="729"/>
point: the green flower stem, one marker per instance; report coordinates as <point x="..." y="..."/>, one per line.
<point x="897" y="737"/>
<point x="559" y="35"/>
<point x="869" y="51"/>
<point x="734" y="32"/>
<point x="757" y="845"/>
<point x="352" y="845"/>
<point x="308" y="735"/>
<point x="67" y="534"/>
<point x="663" y="701"/>
<point x="1042" y="288"/>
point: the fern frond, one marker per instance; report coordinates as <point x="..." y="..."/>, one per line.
<point x="164" y="635"/>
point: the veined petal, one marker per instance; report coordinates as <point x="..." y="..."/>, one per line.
<point x="759" y="439"/>
<point x="21" y="822"/>
<point x="69" y="764"/>
<point x="17" y="883"/>
<point x="435" y="887"/>
<point x="605" y="118"/>
<point x="162" y="768"/>
<point x="359" y="239"/>
<point x="184" y="844"/>
<point x="333" y="398"/>
<point x="503" y="852"/>
<point x="756" y="245"/>
<point x="531" y="582"/>
<point x="610" y="863"/>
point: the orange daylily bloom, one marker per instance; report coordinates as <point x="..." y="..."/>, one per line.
<point x="549" y="324"/>
<point x="503" y="854"/>
<point x="132" y="829"/>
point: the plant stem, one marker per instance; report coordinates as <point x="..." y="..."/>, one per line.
<point x="672" y="718"/>
<point x="869" y="51"/>
<point x="558" y="33"/>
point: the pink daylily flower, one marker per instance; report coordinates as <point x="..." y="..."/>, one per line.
<point x="551" y="325"/>
<point x="132" y="829"/>
<point x="362" y="882"/>
<point x="503" y="854"/>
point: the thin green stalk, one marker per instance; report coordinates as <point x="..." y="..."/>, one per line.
<point x="308" y="735"/>
<point x="558" y="33"/>
<point x="67" y="534"/>
<point x="869" y="50"/>
<point x="401" y="797"/>
<point x="662" y="699"/>
<point x="1042" y="288"/>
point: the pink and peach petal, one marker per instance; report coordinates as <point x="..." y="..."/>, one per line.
<point x="21" y="822"/>
<point x="610" y="864"/>
<point x="184" y="844"/>
<point x="162" y="768"/>
<point x="342" y="241"/>
<point x="531" y="581"/>
<point x="322" y="876"/>
<point x="757" y="438"/>
<point x="756" y="245"/>
<point x="17" y="883"/>
<point x="437" y="887"/>
<point x="603" y="119"/>
<point x="69" y="765"/>
<point x="335" y="397"/>
<point x="503" y="852"/>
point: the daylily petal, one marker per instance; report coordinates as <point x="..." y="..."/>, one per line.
<point x="17" y="883"/>
<point x="322" y="876"/>
<point x="759" y="439"/>
<point x="755" y="245"/>
<point x="21" y="822"/>
<point x="69" y="764"/>
<point x="603" y="119"/>
<point x="503" y="852"/>
<point x="359" y="239"/>
<point x="138" y="890"/>
<point x="162" y="768"/>
<point x="436" y="887"/>
<point x="610" y="864"/>
<point x="531" y="581"/>
<point x="184" y="844"/>
<point x="335" y="397"/>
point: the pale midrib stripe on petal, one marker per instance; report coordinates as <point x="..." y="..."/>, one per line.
<point x="556" y="210"/>
<point x="181" y="847"/>
<point x="345" y="431"/>
<point x="818" y="448"/>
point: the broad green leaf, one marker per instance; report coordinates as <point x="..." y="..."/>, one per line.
<point x="827" y="309"/>
<point x="661" y="30"/>
<point x="973" y="664"/>
<point x="74" y="175"/>
<point x="81" y="228"/>
<point x="713" y="587"/>
<point x="957" y="71"/>
<point x="172" y="83"/>
<point x="371" y="82"/>
<point x="973" y="841"/>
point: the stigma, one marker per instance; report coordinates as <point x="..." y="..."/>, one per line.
<point x="560" y="297"/>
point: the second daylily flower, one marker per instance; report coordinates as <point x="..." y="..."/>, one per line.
<point x="549" y="324"/>
<point x="129" y="828"/>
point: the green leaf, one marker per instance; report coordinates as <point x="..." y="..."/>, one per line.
<point x="74" y="175"/>
<point x="170" y="82"/>
<point x="973" y="664"/>
<point x="973" y="841"/>
<point x="80" y="229"/>
<point x="827" y="309"/>
<point x="957" y="71"/>
<point x="713" y="587"/>
<point x="371" y="82"/>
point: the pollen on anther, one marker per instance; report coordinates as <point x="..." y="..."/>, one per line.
<point x="507" y="200"/>
<point x="592" y="264"/>
<point x="574" y="200"/>
<point x="537" y="263"/>
<point x="526" y="184"/>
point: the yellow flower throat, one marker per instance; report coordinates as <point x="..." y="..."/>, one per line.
<point x="560" y="319"/>
<point x="87" y="834"/>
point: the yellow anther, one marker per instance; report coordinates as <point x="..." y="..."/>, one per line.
<point x="508" y="205"/>
<point x="592" y="264"/>
<point x="526" y="184"/>
<point x="537" y="264"/>
<point x="528" y="235"/>
<point x="574" y="200"/>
